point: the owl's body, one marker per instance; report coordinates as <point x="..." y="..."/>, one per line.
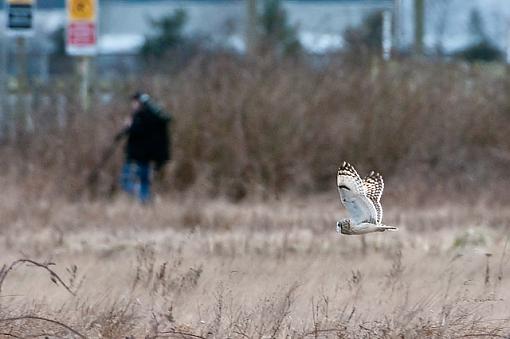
<point x="362" y="199"/>
<point x="346" y="228"/>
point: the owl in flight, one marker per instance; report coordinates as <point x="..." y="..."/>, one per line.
<point x="362" y="199"/>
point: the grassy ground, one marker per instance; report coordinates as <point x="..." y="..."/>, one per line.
<point x="189" y="268"/>
<point x="197" y="265"/>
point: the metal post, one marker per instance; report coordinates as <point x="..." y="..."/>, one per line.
<point x="251" y="26"/>
<point x="3" y="84"/>
<point x="84" y="71"/>
<point x="21" y="64"/>
<point x="386" y="35"/>
<point x="22" y="89"/>
<point x="507" y="49"/>
<point x="397" y="24"/>
<point x="419" y="26"/>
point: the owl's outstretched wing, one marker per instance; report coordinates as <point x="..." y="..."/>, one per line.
<point x="353" y="195"/>
<point x="374" y="186"/>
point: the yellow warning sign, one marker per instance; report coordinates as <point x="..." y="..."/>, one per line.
<point x="81" y="10"/>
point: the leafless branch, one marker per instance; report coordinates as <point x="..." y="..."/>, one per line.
<point x="477" y="335"/>
<point x="33" y="317"/>
<point x="172" y="333"/>
<point x="241" y="334"/>
<point x="9" y="335"/>
<point x="326" y="330"/>
<point x="46" y="266"/>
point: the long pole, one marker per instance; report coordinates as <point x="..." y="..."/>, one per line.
<point x="397" y="11"/>
<point x="21" y="63"/>
<point x="386" y="35"/>
<point x="507" y="44"/>
<point x="3" y="84"/>
<point x="419" y="26"/>
<point x="22" y="98"/>
<point x="84" y="70"/>
<point x="251" y="26"/>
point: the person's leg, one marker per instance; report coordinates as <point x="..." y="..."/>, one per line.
<point x="127" y="180"/>
<point x="144" y="176"/>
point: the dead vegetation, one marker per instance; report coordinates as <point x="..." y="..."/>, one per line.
<point x="140" y="273"/>
<point x="268" y="135"/>
<point x="264" y="128"/>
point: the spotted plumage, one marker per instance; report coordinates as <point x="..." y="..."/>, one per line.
<point x="362" y="199"/>
<point x="374" y="186"/>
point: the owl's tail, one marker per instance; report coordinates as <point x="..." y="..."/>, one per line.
<point x="383" y="228"/>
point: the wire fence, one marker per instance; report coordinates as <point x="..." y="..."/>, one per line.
<point x="47" y="83"/>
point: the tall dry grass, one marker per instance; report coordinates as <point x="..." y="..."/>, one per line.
<point x="191" y="267"/>
<point x="264" y="127"/>
<point x="214" y="269"/>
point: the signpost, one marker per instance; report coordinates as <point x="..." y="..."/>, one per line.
<point x="20" y="24"/>
<point x="81" y="39"/>
<point x="81" y="27"/>
<point x="386" y="34"/>
<point x="507" y="49"/>
<point x="20" y="17"/>
<point x="251" y="27"/>
<point x="419" y="26"/>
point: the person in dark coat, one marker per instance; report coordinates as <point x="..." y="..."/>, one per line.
<point x="147" y="146"/>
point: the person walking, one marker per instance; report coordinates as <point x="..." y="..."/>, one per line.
<point x="147" y="147"/>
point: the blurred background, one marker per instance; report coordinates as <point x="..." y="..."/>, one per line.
<point x="269" y="96"/>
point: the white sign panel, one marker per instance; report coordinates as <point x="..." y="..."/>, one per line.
<point x="81" y="32"/>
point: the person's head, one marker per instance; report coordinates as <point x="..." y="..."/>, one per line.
<point x="138" y="99"/>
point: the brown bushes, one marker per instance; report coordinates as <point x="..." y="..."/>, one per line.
<point x="265" y="127"/>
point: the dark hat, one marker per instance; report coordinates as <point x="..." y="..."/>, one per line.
<point x="140" y="96"/>
<point x="136" y="95"/>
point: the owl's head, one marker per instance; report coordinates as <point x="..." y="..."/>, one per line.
<point x="343" y="227"/>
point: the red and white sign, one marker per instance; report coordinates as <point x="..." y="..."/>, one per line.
<point x="81" y="34"/>
<point x="81" y="27"/>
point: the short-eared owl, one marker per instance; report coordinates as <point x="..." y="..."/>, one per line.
<point x="362" y="199"/>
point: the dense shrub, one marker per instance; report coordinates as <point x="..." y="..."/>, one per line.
<point x="482" y="51"/>
<point x="266" y="127"/>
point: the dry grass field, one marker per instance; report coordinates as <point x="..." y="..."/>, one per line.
<point x="191" y="268"/>
<point x="241" y="241"/>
